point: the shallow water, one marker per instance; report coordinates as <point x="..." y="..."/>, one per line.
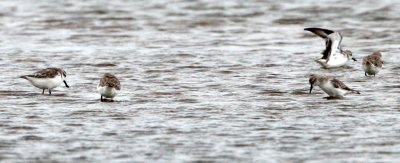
<point x="202" y="81"/>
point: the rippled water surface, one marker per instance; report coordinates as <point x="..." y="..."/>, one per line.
<point x="202" y="81"/>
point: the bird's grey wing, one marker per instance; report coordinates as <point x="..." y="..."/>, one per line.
<point x="338" y="84"/>
<point x="335" y="38"/>
<point x="111" y="82"/>
<point x="373" y="60"/>
<point x="45" y="73"/>
<point x="323" y="33"/>
<point x="328" y="47"/>
<point x="117" y="84"/>
<point x="340" y="41"/>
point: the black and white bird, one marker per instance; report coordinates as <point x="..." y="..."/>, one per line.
<point x="333" y="55"/>
<point x="330" y="85"/>
<point x="372" y="64"/>
<point x="48" y="78"/>
<point x="108" y="87"/>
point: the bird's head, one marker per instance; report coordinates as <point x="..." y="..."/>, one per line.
<point x="313" y="81"/>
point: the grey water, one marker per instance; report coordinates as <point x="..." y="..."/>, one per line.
<point x="202" y="81"/>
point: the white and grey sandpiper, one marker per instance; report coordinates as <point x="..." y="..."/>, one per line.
<point x="330" y="85"/>
<point x="372" y="64"/>
<point x="48" y="78"/>
<point x="108" y="87"/>
<point x="333" y="55"/>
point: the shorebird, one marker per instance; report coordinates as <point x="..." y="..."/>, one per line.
<point x="48" y="78"/>
<point x="330" y="85"/>
<point x="108" y="87"/>
<point x="372" y="64"/>
<point x="333" y="55"/>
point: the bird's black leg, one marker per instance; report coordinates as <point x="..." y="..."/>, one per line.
<point x="50" y="91"/>
<point x="101" y="98"/>
<point x="365" y="74"/>
<point x="43" y="91"/>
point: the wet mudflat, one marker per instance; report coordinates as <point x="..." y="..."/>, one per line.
<point x="202" y="81"/>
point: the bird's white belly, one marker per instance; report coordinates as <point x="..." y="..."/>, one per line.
<point x="371" y="69"/>
<point x="332" y="91"/>
<point x="46" y="83"/>
<point x="336" y="61"/>
<point x="106" y="91"/>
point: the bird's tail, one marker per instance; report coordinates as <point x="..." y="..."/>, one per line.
<point x="23" y="77"/>
<point x="354" y="91"/>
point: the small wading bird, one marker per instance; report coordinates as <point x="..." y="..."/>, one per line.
<point x="108" y="87"/>
<point x="333" y="87"/>
<point x="48" y="78"/>
<point x="333" y="55"/>
<point x="372" y="64"/>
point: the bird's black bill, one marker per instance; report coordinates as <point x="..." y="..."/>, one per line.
<point x="66" y="84"/>
<point x="354" y="59"/>
<point x="311" y="88"/>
